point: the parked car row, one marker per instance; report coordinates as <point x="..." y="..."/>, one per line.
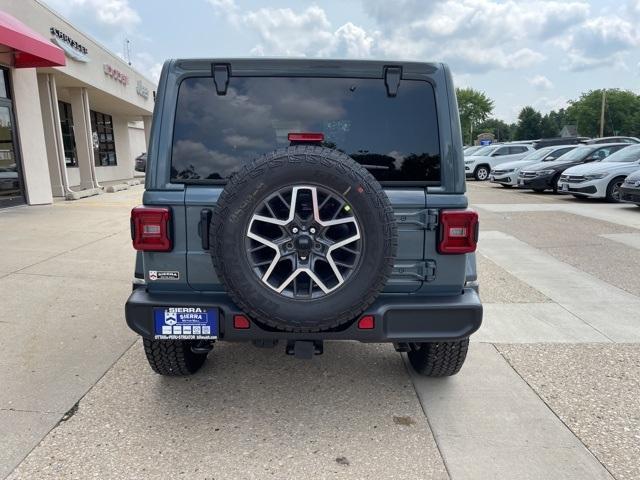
<point x="540" y="176"/>
<point x="596" y="170"/>
<point x="480" y="163"/>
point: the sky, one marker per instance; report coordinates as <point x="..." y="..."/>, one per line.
<point x="540" y="53"/>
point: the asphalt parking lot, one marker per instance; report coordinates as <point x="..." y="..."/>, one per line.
<point x="551" y="387"/>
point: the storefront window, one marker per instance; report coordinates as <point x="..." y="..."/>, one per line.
<point x="4" y="84"/>
<point x="68" y="138"/>
<point x="104" y="144"/>
<point x="11" y="192"/>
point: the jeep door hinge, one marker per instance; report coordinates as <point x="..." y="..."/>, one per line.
<point x="429" y="270"/>
<point x="426" y="219"/>
<point x="431" y="220"/>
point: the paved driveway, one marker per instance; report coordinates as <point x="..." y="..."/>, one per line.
<point x="550" y="388"/>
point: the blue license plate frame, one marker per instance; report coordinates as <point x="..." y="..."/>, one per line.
<point x="185" y="323"/>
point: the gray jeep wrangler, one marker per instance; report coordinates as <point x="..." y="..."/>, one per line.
<point x="295" y="201"/>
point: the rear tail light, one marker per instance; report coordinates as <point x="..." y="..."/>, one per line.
<point x="458" y="231"/>
<point x="151" y="229"/>
<point x="305" y="137"/>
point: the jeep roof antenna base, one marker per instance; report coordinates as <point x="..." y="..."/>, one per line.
<point x="392" y="77"/>
<point x="220" y="72"/>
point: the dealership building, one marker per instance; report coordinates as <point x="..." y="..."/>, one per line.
<point x="73" y="115"/>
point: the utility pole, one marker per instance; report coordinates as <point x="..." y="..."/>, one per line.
<point x="604" y="92"/>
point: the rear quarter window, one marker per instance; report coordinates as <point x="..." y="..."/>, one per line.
<point x="395" y="138"/>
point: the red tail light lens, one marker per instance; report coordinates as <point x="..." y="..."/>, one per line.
<point x="458" y="231"/>
<point x="305" y="137"/>
<point x="240" y="322"/>
<point x="367" y="323"/>
<point x="150" y="229"/>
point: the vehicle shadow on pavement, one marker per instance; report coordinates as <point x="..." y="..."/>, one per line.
<point x="249" y="413"/>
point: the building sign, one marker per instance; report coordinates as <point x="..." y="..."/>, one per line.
<point x="72" y="49"/>
<point x="142" y="90"/>
<point x="116" y="74"/>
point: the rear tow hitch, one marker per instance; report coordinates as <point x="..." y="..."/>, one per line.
<point x="304" y="349"/>
<point x="202" y="347"/>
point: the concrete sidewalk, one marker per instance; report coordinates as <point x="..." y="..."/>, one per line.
<point x="66" y="269"/>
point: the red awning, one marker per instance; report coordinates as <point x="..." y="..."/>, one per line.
<point x="30" y="48"/>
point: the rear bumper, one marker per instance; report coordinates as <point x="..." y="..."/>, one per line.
<point x="397" y="318"/>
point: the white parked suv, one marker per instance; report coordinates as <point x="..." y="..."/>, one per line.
<point x="506" y="174"/>
<point x="479" y="164"/>
<point x="601" y="179"/>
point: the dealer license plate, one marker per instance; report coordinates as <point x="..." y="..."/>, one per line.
<point x="565" y="187"/>
<point x="185" y="323"/>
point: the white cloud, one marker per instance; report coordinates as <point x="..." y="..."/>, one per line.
<point x="546" y="104"/>
<point x="541" y="82"/>
<point x="601" y="41"/>
<point x="147" y="64"/>
<point x="117" y="14"/>
<point x="473" y="35"/>
<point x="283" y="31"/>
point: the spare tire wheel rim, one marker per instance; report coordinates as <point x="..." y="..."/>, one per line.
<point x="304" y="241"/>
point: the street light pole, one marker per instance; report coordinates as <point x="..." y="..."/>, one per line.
<point x="604" y="92"/>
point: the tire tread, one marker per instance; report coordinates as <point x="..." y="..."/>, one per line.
<point x="439" y="359"/>
<point x="172" y="357"/>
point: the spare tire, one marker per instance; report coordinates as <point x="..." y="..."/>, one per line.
<point x="303" y="239"/>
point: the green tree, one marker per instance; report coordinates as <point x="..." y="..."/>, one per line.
<point x="500" y="129"/>
<point x="559" y="119"/>
<point x="474" y="107"/>
<point x="529" y="124"/>
<point x="621" y="113"/>
<point x="548" y="127"/>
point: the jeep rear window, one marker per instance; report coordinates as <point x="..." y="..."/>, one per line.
<point x="395" y="138"/>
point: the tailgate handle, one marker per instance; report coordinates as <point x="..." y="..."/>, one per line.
<point x="220" y="72"/>
<point x="203" y="227"/>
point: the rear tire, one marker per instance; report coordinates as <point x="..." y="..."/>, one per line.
<point x="173" y="358"/>
<point x="438" y="359"/>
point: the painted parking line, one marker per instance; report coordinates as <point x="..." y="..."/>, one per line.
<point x="621" y="214"/>
<point x="629" y="239"/>
<point x="488" y="423"/>
<point x="608" y="309"/>
<point x="534" y="323"/>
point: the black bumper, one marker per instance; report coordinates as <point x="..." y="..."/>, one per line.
<point x="630" y="195"/>
<point x="591" y="189"/>
<point x="536" y="182"/>
<point x="397" y="318"/>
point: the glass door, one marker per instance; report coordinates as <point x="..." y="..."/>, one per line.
<point x="11" y="187"/>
